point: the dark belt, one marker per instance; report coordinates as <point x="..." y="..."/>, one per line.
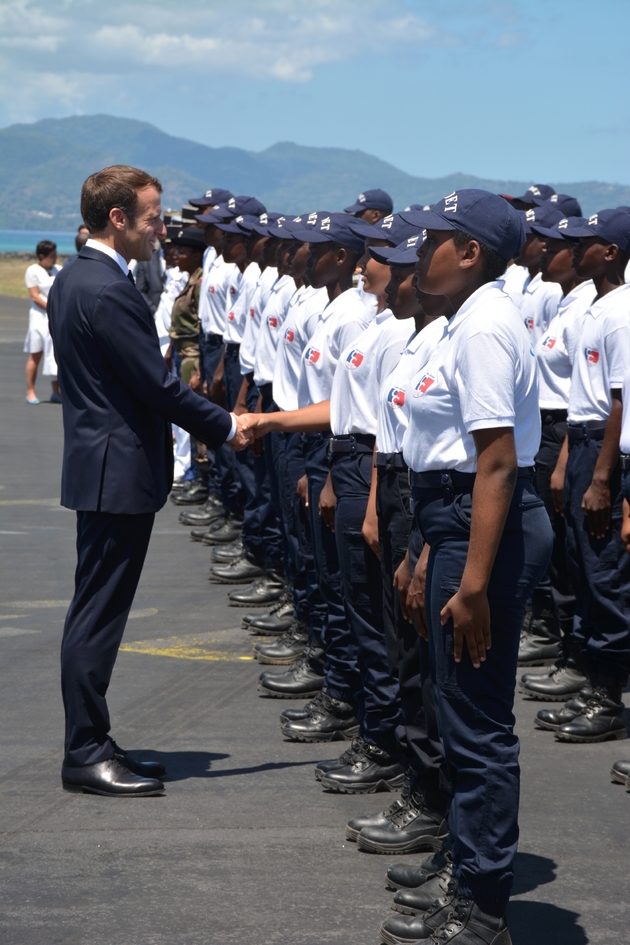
<point x="265" y="390"/>
<point x="589" y="430"/>
<point x="624" y="461"/>
<point x="391" y="460"/>
<point x="249" y="377"/>
<point x="209" y="335"/>
<point x="352" y="443"/>
<point x="453" y="480"/>
<point x="553" y="416"/>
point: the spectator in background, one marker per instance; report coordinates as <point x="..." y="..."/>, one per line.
<point x="83" y="235"/>
<point x="150" y="277"/>
<point x="38" y="278"/>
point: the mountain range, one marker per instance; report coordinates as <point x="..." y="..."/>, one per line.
<point x="42" y="167"/>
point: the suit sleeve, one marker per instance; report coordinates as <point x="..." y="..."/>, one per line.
<point x="126" y="334"/>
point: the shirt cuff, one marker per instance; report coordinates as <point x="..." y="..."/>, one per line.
<point x="233" y="430"/>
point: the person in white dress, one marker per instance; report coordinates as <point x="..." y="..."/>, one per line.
<point x="38" y="278"/>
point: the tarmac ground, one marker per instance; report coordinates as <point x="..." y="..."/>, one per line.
<point x="245" y="847"/>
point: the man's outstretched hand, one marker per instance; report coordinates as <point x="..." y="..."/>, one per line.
<point x="244" y="435"/>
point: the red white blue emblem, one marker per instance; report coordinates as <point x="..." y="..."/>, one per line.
<point x="272" y="321"/>
<point x="312" y="354"/>
<point x="591" y="355"/>
<point x="548" y="342"/>
<point x="529" y="323"/>
<point x="423" y="384"/>
<point x="289" y="336"/>
<point x="354" y="359"/>
<point x="396" y="397"/>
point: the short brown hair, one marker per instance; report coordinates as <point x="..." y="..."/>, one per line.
<point x="115" y="186"/>
<point x="45" y="248"/>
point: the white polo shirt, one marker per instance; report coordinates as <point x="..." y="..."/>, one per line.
<point x="555" y="349"/>
<point x="247" y="351"/>
<point x="513" y="282"/>
<point x="237" y="310"/>
<point x="216" y="288"/>
<point x="624" y="442"/>
<point x="539" y="305"/>
<point x="393" y="401"/>
<point x="271" y="324"/>
<point x="602" y="357"/>
<point x="209" y="258"/>
<point x="174" y="284"/>
<point x="302" y="317"/>
<point x="340" y="322"/>
<point x="482" y="375"/>
<point x="367" y="359"/>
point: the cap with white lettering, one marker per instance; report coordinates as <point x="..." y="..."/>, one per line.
<point x="212" y="197"/>
<point x="613" y="226"/>
<point x="391" y="228"/>
<point x="336" y="229"/>
<point x="371" y="200"/>
<point x="545" y="215"/>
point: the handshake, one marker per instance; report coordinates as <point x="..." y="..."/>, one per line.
<point x="249" y="426"/>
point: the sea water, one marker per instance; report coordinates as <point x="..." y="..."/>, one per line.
<point x="25" y="241"/>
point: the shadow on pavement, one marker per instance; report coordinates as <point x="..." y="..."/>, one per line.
<point x="181" y="765"/>
<point x="541" y="923"/>
<point x="269" y="766"/>
<point x="531" y="871"/>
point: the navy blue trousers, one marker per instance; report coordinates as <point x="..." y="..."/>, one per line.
<point x="418" y="735"/>
<point x="223" y="480"/>
<point x="600" y="569"/>
<point x="474" y="706"/>
<point x="363" y="600"/>
<point x="341" y="671"/>
<point x="110" y="555"/>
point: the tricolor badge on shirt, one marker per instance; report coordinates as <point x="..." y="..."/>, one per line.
<point x="591" y="355"/>
<point x="272" y="321"/>
<point x="529" y="323"/>
<point x="396" y="397"/>
<point x="354" y="359"/>
<point x="548" y="342"/>
<point x="423" y="384"/>
<point x="312" y="354"/>
<point x="289" y="336"/>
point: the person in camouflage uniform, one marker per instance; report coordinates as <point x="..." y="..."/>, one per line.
<point x="185" y="326"/>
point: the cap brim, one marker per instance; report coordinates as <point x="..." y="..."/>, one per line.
<point x="426" y="220"/>
<point x="208" y="218"/>
<point x="406" y="257"/>
<point x="381" y="254"/>
<point x="231" y="228"/>
<point x="551" y="233"/>
<point x="261" y="228"/>
<point x="365" y="231"/>
<point x="202" y="202"/>
<point x="576" y="232"/>
<point x="318" y="237"/>
<point x="356" y="208"/>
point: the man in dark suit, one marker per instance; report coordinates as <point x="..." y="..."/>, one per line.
<point x="119" y="402"/>
<point x="149" y="278"/>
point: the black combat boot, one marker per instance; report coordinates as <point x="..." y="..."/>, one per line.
<point x="373" y="770"/>
<point x="328" y="721"/>
<point x="602" y="719"/>
<point x="412" y="829"/>
<point x="552" y="719"/>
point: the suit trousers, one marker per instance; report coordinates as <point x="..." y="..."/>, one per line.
<point x="475" y="706"/>
<point x="110" y="555"/>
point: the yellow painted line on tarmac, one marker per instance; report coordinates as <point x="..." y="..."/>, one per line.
<point x="54" y="501"/>
<point x="187" y="647"/>
<point x="37" y="604"/>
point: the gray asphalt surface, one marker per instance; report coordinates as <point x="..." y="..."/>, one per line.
<point x="245" y="847"/>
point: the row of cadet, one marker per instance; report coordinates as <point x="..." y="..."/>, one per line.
<point x="436" y="494"/>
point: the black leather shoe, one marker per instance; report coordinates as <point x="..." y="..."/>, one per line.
<point x="222" y="554"/>
<point x="323" y="767"/>
<point x="286" y="650"/>
<point x="292" y="713"/>
<point x="537" y="649"/>
<point x="407" y="876"/>
<point x="146" y="769"/>
<point x="261" y="593"/>
<point x="468" y="925"/>
<point x="411" y="830"/>
<point x="277" y="621"/>
<point x="413" y="901"/>
<point x="301" y="681"/>
<point x="602" y="719"/>
<point x="375" y="770"/>
<point x="229" y="531"/>
<point x="356" y="825"/>
<point x="209" y="512"/>
<point x="552" y="719"/>
<point x="620" y="772"/>
<point x="328" y="721"/>
<point x="402" y="931"/>
<point x="110" y="778"/>
<point x="195" y="495"/>
<point x="564" y="682"/>
<point x="240" y="571"/>
<point x="180" y="485"/>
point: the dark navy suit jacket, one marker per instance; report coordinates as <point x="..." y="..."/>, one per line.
<point x="118" y="396"/>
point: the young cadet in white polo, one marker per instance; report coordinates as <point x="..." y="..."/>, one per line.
<point x="592" y="489"/>
<point x="551" y="615"/>
<point x="540" y="299"/>
<point x="473" y="432"/>
<point x="334" y="252"/>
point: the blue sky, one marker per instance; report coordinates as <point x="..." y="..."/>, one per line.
<point x="512" y="89"/>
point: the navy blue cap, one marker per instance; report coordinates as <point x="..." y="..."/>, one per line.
<point x="265" y="222"/>
<point x="613" y="226"/>
<point x="534" y="192"/>
<point x="190" y="236"/>
<point x="391" y="228"/>
<point x="546" y="215"/>
<point x="402" y="256"/>
<point x="371" y="200"/>
<point x="335" y="228"/>
<point x="304" y="225"/>
<point x="488" y="217"/>
<point x="560" y="230"/>
<point x="243" y="224"/>
<point x="569" y="206"/>
<point x="284" y="228"/>
<point x="212" y="197"/>
<point x="237" y="206"/>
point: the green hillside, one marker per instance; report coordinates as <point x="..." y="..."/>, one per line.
<point x="43" y="165"/>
